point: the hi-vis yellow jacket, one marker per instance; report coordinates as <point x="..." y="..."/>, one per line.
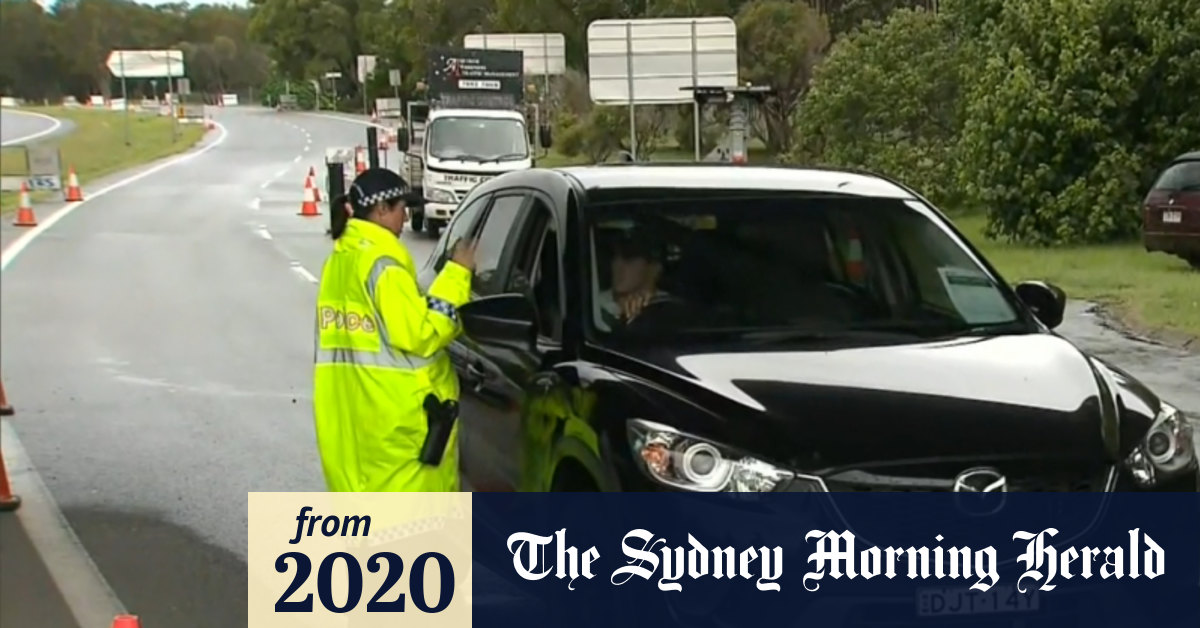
<point x="380" y="350"/>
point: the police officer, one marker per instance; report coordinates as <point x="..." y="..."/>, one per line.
<point x="385" y="393"/>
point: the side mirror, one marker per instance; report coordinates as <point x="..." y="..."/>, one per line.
<point x="506" y="320"/>
<point x="1047" y="301"/>
<point x="402" y="141"/>
<point x="547" y="136"/>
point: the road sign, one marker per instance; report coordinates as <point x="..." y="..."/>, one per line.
<point x="394" y="78"/>
<point x="146" y="63"/>
<point x="183" y="86"/>
<point x="545" y="53"/>
<point x="650" y="61"/>
<point x="44" y="166"/>
<point x="388" y="108"/>
<point x="366" y="67"/>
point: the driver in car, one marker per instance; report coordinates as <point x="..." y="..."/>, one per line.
<point x="637" y="265"/>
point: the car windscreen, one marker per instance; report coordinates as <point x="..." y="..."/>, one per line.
<point x="477" y="139"/>
<point x="785" y="264"/>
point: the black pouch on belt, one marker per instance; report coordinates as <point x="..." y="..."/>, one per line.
<point x="440" y="416"/>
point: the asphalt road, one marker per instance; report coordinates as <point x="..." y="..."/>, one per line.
<point x="158" y="345"/>
<point x="20" y="127"/>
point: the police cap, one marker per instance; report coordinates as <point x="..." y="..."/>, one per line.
<point x="379" y="185"/>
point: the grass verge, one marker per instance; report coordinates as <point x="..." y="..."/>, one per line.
<point x="96" y="146"/>
<point x="1150" y="292"/>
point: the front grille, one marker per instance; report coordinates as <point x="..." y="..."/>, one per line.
<point x="1021" y="478"/>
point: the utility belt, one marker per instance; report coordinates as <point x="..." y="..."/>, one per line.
<point x="440" y="416"/>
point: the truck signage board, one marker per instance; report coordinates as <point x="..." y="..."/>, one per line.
<point x="476" y="78"/>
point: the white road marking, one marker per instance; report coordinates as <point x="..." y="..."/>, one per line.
<point x="26" y="238"/>
<point x="263" y="233"/>
<point x="303" y="272"/>
<point x="266" y="184"/>
<point x="331" y="116"/>
<point x="256" y="204"/>
<point x="283" y="172"/>
<point x="83" y="587"/>
<point x="88" y="595"/>
<point x="33" y="136"/>
<point x="297" y="159"/>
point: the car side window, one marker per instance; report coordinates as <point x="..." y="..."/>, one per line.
<point x="493" y="241"/>
<point x="535" y="272"/>
<point x="460" y="226"/>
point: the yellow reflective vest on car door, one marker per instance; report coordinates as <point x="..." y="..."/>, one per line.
<point x="380" y="351"/>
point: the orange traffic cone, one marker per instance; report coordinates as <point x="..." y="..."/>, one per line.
<point x="309" y="208"/>
<point x="360" y="160"/>
<point x="126" y="621"/>
<point x="5" y="408"/>
<point x="8" y="501"/>
<point x="25" y="217"/>
<point x="74" y="194"/>
<point x="855" y="268"/>
<point x="312" y="177"/>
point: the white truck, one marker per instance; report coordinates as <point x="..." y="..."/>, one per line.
<point x="472" y="127"/>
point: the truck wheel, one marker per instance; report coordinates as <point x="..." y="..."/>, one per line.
<point x="433" y="228"/>
<point x="418" y="219"/>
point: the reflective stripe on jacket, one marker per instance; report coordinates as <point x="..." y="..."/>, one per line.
<point x="380" y="349"/>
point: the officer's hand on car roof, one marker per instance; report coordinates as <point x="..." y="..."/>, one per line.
<point x="464" y="253"/>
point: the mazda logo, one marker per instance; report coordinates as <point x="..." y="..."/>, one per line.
<point x="989" y="487"/>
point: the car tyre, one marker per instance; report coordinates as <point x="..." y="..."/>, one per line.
<point x="418" y="219"/>
<point x="433" y="228"/>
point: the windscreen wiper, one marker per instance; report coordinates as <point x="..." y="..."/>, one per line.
<point x="934" y="329"/>
<point x="506" y="157"/>
<point x="475" y="158"/>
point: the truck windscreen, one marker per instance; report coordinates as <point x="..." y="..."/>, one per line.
<point x="477" y="139"/>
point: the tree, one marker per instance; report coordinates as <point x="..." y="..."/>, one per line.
<point x="887" y="100"/>
<point x="29" y="63"/>
<point x="779" y="44"/>
<point x="1066" y="125"/>
<point x="63" y="51"/>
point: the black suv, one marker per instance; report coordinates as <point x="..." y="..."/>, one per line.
<point x="789" y="330"/>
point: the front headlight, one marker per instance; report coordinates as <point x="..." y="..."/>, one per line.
<point x="1165" y="451"/>
<point x="440" y="195"/>
<point x="692" y="463"/>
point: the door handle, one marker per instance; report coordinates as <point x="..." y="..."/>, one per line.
<point x="475" y="372"/>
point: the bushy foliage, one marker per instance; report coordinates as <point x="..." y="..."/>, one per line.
<point x="1076" y="107"/>
<point x="886" y="100"/>
<point x="1052" y="116"/>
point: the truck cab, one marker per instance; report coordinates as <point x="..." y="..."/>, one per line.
<point x="463" y="148"/>
<point x="472" y="128"/>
